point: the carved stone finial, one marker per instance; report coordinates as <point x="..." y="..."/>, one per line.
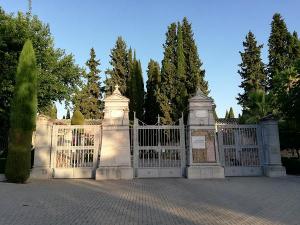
<point x="117" y="91"/>
<point x="199" y="92"/>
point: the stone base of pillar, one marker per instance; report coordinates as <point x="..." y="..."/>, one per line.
<point x="205" y="172"/>
<point x="114" y="173"/>
<point x="274" y="171"/>
<point x="42" y="173"/>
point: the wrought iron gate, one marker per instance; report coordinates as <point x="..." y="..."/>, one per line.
<point x="158" y="150"/>
<point x="240" y="150"/>
<point x="75" y="150"/>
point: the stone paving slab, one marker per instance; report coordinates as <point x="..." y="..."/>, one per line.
<point x="247" y="200"/>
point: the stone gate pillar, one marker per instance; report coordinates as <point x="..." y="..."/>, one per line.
<point x="115" y="160"/>
<point x="203" y="158"/>
<point x="271" y="148"/>
<point x="42" y="148"/>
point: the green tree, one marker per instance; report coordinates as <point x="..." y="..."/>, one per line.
<point x="231" y="114"/>
<point x="226" y="114"/>
<point x="168" y="75"/>
<point x="57" y="75"/>
<point x="152" y="109"/>
<point x="261" y="107"/>
<point x="119" y="73"/>
<point x="88" y="101"/>
<point x="280" y="57"/>
<point x="51" y="111"/>
<point x="22" y="117"/>
<point x="251" y="70"/>
<point x="195" y="76"/>
<point x="181" y="97"/>
<point x="77" y="118"/>
<point x="136" y="89"/>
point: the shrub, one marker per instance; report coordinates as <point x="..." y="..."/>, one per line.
<point x="22" y="117"/>
<point x="292" y="165"/>
<point x="77" y="118"/>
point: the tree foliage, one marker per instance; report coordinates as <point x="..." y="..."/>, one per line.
<point x="251" y="71"/>
<point x="22" y="117"/>
<point x="152" y="109"/>
<point x="88" y="100"/>
<point x="119" y="73"/>
<point x="181" y="73"/>
<point x="57" y="75"/>
<point x="135" y="89"/>
<point x="77" y="118"/>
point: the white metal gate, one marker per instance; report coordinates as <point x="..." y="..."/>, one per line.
<point x="240" y="150"/>
<point x="75" y="150"/>
<point x="159" y="150"/>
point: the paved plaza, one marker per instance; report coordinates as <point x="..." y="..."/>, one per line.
<point x="244" y="200"/>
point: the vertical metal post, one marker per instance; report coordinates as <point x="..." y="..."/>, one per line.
<point x="182" y="145"/>
<point x="135" y="145"/>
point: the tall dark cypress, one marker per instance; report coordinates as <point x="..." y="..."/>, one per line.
<point x="168" y="75"/>
<point x="22" y="117"/>
<point x="152" y="109"/>
<point x="136" y="89"/>
<point x="195" y="75"/>
<point x="251" y="70"/>
<point x="279" y="52"/>
<point x="181" y="98"/>
<point x="119" y="73"/>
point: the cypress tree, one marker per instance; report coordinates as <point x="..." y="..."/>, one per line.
<point x="226" y="114"/>
<point x="119" y="73"/>
<point x="251" y="70"/>
<point x="195" y="76"/>
<point x="231" y="113"/>
<point x="168" y="75"/>
<point x="152" y="109"/>
<point x="181" y="97"/>
<point x="22" y="117"/>
<point x="136" y="89"/>
<point x="279" y="49"/>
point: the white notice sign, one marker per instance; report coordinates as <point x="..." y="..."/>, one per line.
<point x="198" y="142"/>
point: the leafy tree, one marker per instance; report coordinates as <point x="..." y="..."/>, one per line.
<point x="68" y="114"/>
<point x="152" y="109"/>
<point x="261" y="107"/>
<point x="195" y="76"/>
<point x="51" y="111"/>
<point x="57" y="75"/>
<point x="168" y="75"/>
<point x="88" y="101"/>
<point x="77" y="118"/>
<point x="119" y="73"/>
<point x="251" y="70"/>
<point x="22" y="117"/>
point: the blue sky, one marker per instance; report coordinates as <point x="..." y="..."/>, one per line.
<point x="219" y="27"/>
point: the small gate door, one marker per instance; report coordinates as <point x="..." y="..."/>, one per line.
<point x="159" y="150"/>
<point x="240" y="150"/>
<point x="75" y="150"/>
